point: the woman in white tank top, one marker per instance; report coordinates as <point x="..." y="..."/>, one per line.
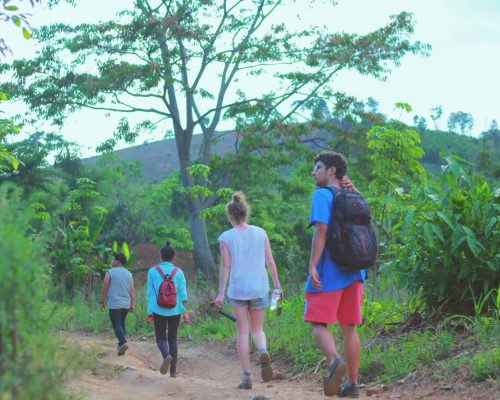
<point x="245" y="252"/>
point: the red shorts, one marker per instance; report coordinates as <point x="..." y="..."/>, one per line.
<point x="342" y="305"/>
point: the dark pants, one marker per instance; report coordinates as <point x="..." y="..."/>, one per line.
<point x="117" y="317"/>
<point x="163" y="323"/>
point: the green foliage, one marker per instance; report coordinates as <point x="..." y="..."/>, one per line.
<point x="485" y="364"/>
<point x="76" y="252"/>
<point x="451" y="250"/>
<point x="31" y="363"/>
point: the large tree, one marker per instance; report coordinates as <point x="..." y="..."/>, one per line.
<point x="190" y="62"/>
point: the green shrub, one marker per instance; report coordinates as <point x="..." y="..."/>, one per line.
<point x="450" y="251"/>
<point x="31" y="364"/>
<point x="486" y="364"/>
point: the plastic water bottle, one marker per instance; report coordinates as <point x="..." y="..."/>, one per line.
<point x="275" y="299"/>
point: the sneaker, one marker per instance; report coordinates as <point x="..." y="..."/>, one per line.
<point x="246" y="381"/>
<point x="122" y="349"/>
<point x="173" y="374"/>
<point x="165" y="364"/>
<point x="265" y="366"/>
<point x="346" y="390"/>
<point x="336" y="371"/>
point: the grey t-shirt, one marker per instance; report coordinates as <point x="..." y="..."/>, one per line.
<point x="119" y="288"/>
<point x="248" y="277"/>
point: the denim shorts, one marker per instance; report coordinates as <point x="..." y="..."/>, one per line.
<point x="256" y="304"/>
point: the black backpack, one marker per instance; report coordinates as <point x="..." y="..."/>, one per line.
<point x="351" y="239"/>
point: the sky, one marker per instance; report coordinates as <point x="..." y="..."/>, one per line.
<point x="462" y="72"/>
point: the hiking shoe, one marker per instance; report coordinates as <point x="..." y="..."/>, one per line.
<point x="265" y="366"/>
<point x="246" y="381"/>
<point x="165" y="364"/>
<point x="122" y="349"/>
<point x="346" y="390"/>
<point x="336" y="371"/>
<point x="173" y="374"/>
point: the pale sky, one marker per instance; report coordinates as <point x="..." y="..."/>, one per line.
<point x="461" y="74"/>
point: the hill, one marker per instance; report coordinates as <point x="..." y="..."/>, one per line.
<point x="159" y="159"/>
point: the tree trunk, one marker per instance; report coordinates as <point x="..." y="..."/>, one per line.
<point x="203" y="258"/>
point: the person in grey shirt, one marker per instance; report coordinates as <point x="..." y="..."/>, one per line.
<point x="119" y="293"/>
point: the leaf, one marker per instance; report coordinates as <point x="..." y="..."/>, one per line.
<point x="16" y="20"/>
<point x="437" y="231"/>
<point x="491" y="224"/>
<point x="446" y="220"/>
<point x="125" y="250"/>
<point x="12" y="8"/>
<point x="457" y="241"/>
<point x="473" y="245"/>
<point x="26" y="33"/>
<point x="428" y="234"/>
<point x="400" y="191"/>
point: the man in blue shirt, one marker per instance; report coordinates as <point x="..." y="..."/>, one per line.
<point x="333" y="294"/>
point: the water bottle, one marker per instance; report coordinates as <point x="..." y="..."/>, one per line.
<point x="275" y="299"/>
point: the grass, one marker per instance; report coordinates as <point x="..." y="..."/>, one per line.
<point x="455" y="345"/>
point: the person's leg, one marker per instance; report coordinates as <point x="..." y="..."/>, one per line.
<point x="349" y="316"/>
<point x="115" y="317"/>
<point x="325" y="341"/>
<point x="173" y="326"/>
<point x="242" y="329"/>
<point x="352" y="351"/>
<point x="256" y="325"/>
<point x="259" y="338"/>
<point x="123" y="316"/>
<point x="160" y="324"/>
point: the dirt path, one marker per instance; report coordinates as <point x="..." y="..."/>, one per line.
<point x="208" y="371"/>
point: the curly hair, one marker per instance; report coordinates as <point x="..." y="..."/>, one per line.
<point x="332" y="159"/>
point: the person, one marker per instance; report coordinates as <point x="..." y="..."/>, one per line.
<point x="245" y="252"/>
<point x="167" y="319"/>
<point x="118" y="290"/>
<point x="333" y="294"/>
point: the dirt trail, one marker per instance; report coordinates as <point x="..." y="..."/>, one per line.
<point x="208" y="371"/>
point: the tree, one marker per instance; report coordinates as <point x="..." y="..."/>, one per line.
<point x="436" y="113"/>
<point x="461" y="120"/>
<point x="420" y="123"/>
<point x="184" y="62"/>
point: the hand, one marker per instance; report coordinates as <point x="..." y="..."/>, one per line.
<point x="347" y="184"/>
<point x="131" y="308"/>
<point x="313" y="274"/>
<point x="185" y="318"/>
<point x="149" y="319"/>
<point x="219" y="301"/>
<point x="103" y="306"/>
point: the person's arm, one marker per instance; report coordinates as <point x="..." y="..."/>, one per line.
<point x="317" y="248"/>
<point x="347" y="184"/>
<point x="224" y="273"/>
<point x="150" y="293"/>
<point x="132" y="295"/>
<point x="185" y="315"/>
<point x="104" y="291"/>
<point x="271" y="264"/>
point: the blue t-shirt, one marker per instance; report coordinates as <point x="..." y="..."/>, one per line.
<point x="154" y="281"/>
<point x="330" y="274"/>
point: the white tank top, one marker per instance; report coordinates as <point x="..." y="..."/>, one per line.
<point x="248" y="277"/>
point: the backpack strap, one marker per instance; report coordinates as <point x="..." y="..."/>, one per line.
<point x="160" y="271"/>
<point x="163" y="276"/>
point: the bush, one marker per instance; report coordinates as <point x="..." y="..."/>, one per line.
<point x="31" y="367"/>
<point x="451" y="242"/>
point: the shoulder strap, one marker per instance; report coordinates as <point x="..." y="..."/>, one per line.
<point x="160" y="271"/>
<point x="174" y="271"/>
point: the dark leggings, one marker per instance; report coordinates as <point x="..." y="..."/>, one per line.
<point x="161" y="324"/>
<point x="117" y="317"/>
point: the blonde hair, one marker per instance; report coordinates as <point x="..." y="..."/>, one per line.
<point x="238" y="209"/>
